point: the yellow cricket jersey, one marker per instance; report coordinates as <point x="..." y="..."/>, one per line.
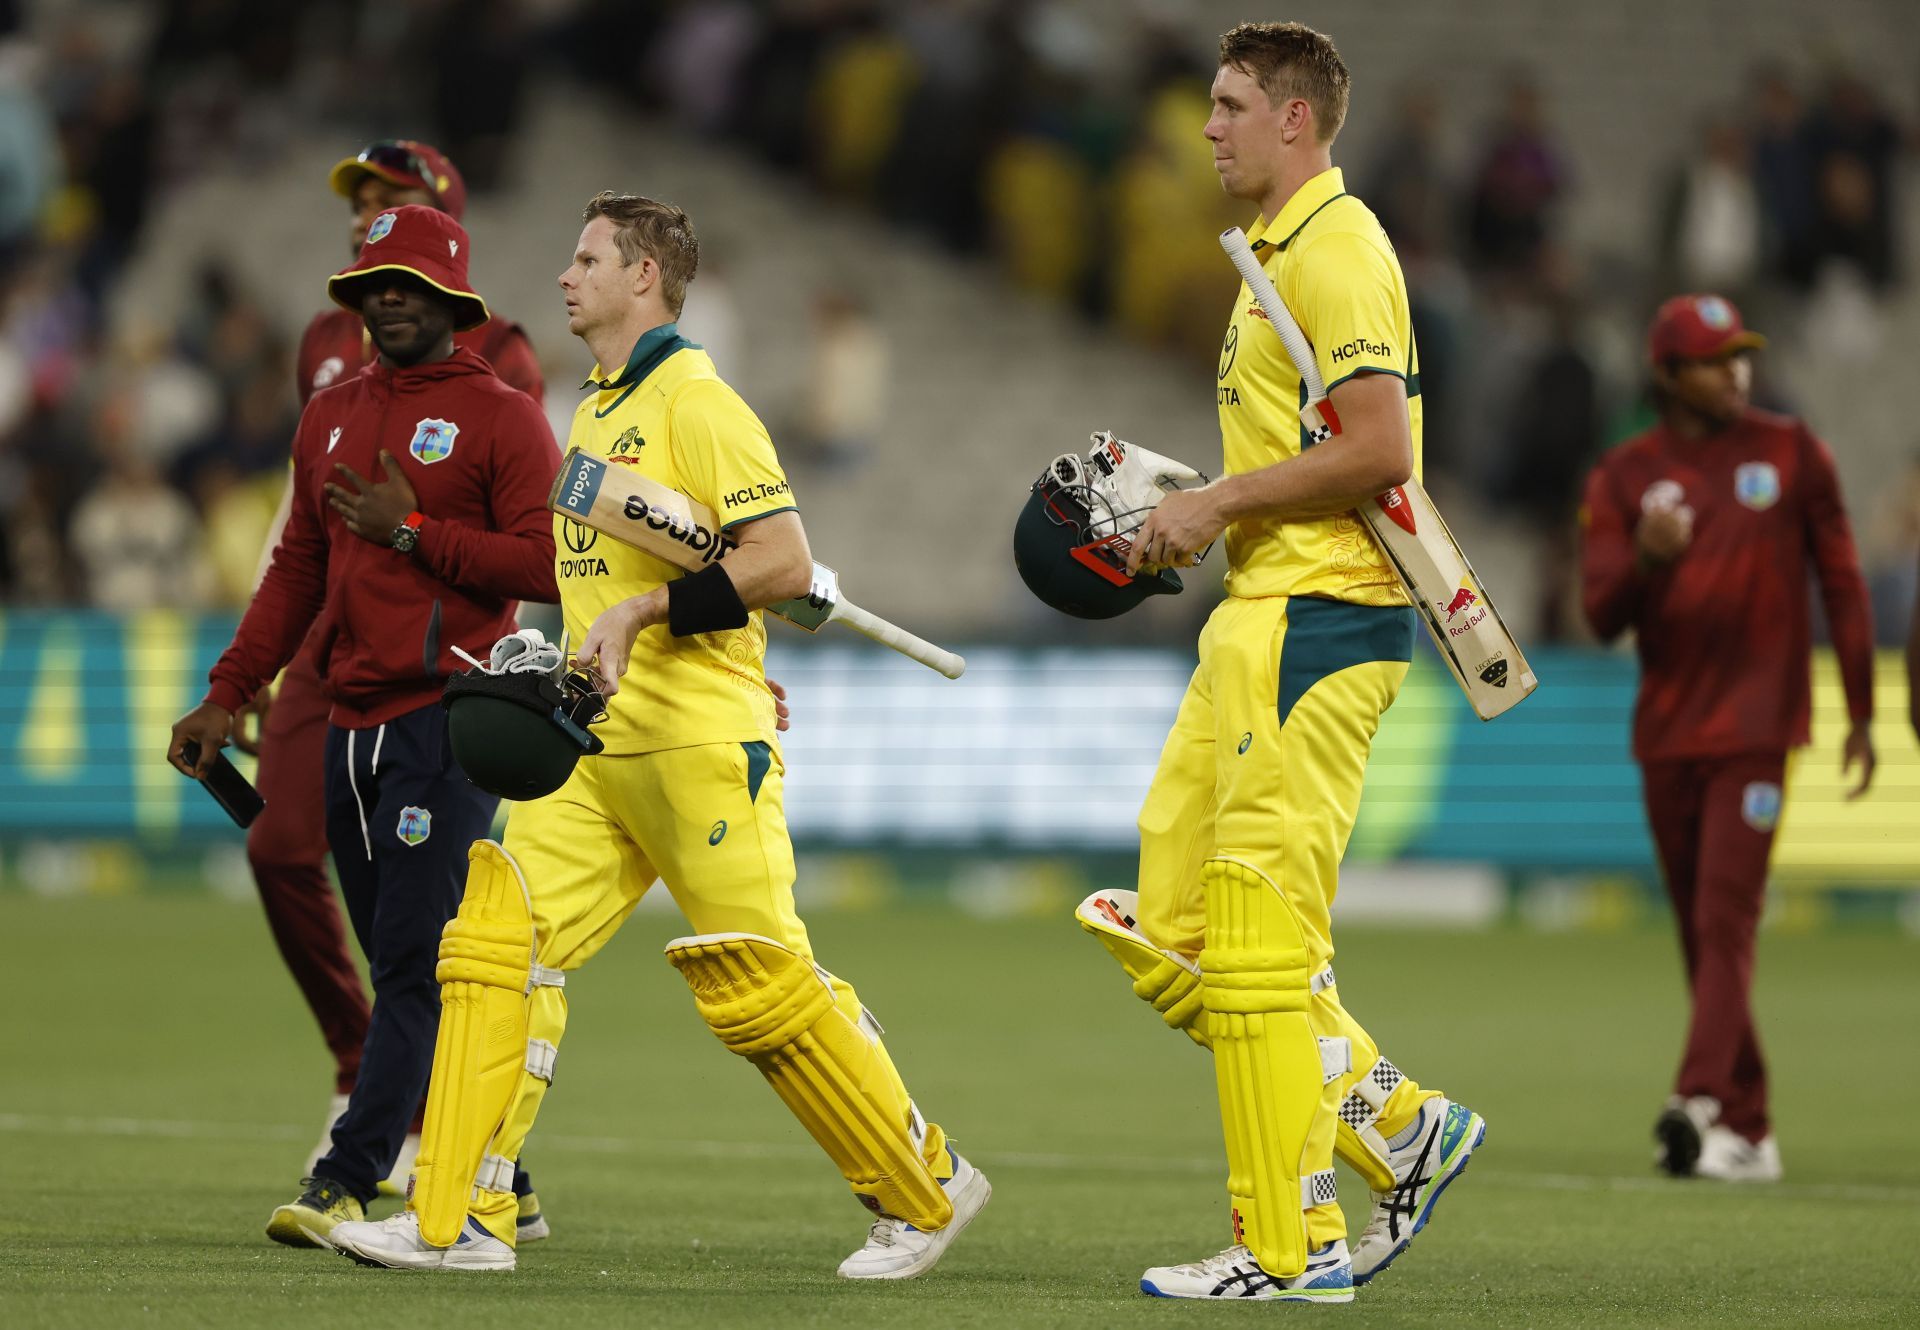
<point x="668" y="415"/>
<point x="1338" y="275"/>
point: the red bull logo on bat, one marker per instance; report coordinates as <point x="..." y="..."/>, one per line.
<point x="1466" y="606"/>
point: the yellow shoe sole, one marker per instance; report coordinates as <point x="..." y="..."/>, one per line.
<point x="300" y="1226"/>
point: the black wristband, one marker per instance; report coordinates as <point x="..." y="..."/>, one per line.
<point x="706" y="602"/>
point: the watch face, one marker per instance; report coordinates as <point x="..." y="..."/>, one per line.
<point x="405" y="538"/>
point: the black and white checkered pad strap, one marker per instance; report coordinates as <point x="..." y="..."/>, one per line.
<point x="1321" y="1188"/>
<point x="1368" y="1098"/>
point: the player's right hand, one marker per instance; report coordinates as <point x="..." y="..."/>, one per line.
<point x="249" y="742"/>
<point x="1664" y="534"/>
<point x="207" y="725"/>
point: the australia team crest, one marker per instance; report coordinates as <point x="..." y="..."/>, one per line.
<point x="1757" y="485"/>
<point x="433" y="440"/>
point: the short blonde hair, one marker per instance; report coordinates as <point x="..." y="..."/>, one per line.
<point x="648" y="228"/>
<point x="1291" y="60"/>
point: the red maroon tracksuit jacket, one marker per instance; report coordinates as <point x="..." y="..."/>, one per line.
<point x="1723" y="631"/>
<point x="481" y="457"/>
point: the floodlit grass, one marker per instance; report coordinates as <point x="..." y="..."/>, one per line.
<point x="163" y="1083"/>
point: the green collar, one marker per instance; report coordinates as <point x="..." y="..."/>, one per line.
<point x="1303" y="207"/>
<point x="648" y="353"/>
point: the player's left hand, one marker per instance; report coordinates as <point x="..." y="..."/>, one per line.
<point x="609" y="641"/>
<point x="782" y="714"/>
<point x="373" y="508"/>
<point x="1183" y="524"/>
<point x="1858" y="751"/>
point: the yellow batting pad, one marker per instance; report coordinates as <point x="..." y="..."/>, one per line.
<point x="1256" y="984"/>
<point x="486" y="957"/>
<point x="1167" y="982"/>
<point x="775" y="1008"/>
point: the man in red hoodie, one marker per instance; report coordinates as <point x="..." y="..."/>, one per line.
<point x="287" y="845"/>
<point x="1701" y="535"/>
<point x="418" y="521"/>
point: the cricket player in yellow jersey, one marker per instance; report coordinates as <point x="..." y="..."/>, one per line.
<point x="688" y="790"/>
<point x="1257" y="789"/>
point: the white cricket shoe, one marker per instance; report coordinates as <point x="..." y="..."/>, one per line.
<point x="335" y="1107"/>
<point x="396" y="1243"/>
<point x="1680" y="1130"/>
<point x="896" y="1249"/>
<point x="1235" y="1274"/>
<point x="1727" y="1156"/>
<point x="1422" y="1168"/>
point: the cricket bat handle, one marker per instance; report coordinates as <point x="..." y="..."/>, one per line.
<point x="892" y="635"/>
<point x="1234" y="241"/>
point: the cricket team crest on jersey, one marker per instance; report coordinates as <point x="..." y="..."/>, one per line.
<point x="328" y="370"/>
<point x="381" y="225"/>
<point x="1760" y="805"/>
<point x="433" y="440"/>
<point x="1757" y="485"/>
<point x="1662" y="496"/>
<point x="416" y="824"/>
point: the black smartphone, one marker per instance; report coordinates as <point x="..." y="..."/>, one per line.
<point x="229" y="788"/>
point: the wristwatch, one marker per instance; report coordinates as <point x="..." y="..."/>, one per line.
<point x="407" y="534"/>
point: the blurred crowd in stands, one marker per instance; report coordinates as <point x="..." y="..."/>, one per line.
<point x="139" y="468"/>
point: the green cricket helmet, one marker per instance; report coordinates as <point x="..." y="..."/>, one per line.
<point x="1064" y="557"/>
<point x="518" y="723"/>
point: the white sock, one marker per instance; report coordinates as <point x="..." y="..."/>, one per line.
<point x="1410" y="1133"/>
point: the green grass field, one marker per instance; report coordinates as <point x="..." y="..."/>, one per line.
<point x="163" y="1082"/>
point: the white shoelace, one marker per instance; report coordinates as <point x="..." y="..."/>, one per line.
<point x="1226" y="1263"/>
<point x="884" y="1230"/>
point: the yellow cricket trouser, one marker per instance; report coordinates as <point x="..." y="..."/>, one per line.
<point x="708" y="821"/>
<point x="1241" y="838"/>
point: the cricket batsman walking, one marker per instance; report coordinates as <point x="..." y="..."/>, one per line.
<point x="287" y="844"/>
<point x="1249" y="812"/>
<point x="688" y="790"/>
<point x="1701" y="535"/>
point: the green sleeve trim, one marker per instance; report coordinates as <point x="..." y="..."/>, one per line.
<point x="755" y="517"/>
<point x="1413" y="387"/>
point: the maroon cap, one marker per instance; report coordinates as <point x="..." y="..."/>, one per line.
<point x="1699" y="327"/>
<point x="408" y="163"/>
<point x="423" y="241"/>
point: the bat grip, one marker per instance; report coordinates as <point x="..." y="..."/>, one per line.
<point x="1234" y="241"/>
<point x="937" y="659"/>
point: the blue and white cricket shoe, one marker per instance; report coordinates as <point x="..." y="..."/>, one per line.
<point x="1449" y="1134"/>
<point x="1235" y="1275"/>
<point x="895" y="1249"/>
<point x="396" y="1243"/>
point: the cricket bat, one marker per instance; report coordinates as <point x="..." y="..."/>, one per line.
<point x="1473" y="639"/>
<point x="620" y="502"/>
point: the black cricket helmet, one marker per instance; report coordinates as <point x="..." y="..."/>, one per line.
<point x="1066" y="562"/>
<point x="518" y="722"/>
